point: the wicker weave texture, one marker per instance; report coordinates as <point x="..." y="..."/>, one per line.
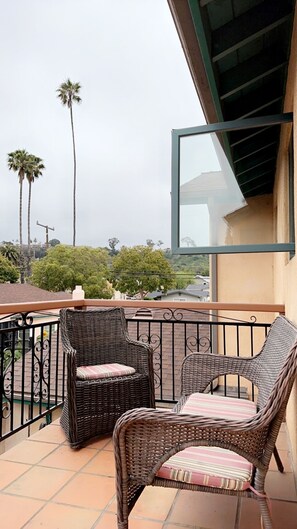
<point x="145" y="438"/>
<point x="92" y="407"/>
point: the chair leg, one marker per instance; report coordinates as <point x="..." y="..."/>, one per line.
<point x="278" y="460"/>
<point x="266" y="520"/>
<point x="123" y="525"/>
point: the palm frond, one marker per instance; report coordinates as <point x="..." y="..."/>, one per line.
<point x="68" y="93"/>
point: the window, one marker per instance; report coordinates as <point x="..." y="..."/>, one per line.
<point x="222" y="185"/>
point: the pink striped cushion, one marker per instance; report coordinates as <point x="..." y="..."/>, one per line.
<point x="104" y="371"/>
<point x="214" y="406"/>
<point x="209" y="466"/>
<point x="212" y="466"/>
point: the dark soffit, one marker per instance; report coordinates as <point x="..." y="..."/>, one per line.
<point x="238" y="53"/>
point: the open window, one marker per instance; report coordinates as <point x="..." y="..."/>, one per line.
<point x="222" y="187"/>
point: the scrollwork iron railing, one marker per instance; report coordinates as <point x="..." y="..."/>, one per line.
<point x="175" y="333"/>
<point x="31" y="379"/>
<point x="32" y="365"/>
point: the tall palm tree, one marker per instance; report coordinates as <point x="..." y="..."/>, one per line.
<point x="18" y="161"/>
<point x="34" y="170"/>
<point x="68" y="93"/>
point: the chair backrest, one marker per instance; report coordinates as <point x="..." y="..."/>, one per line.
<point x="98" y="336"/>
<point x="276" y="364"/>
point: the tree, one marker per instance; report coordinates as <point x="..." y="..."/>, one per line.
<point x="68" y="93"/>
<point x="39" y="251"/>
<point x="98" y="288"/>
<point x="10" y="251"/>
<point x="112" y="243"/>
<point x="184" y="279"/>
<point x="54" y="242"/>
<point x="34" y="170"/>
<point x="150" y="243"/>
<point x="190" y="265"/>
<point x="64" y="267"/>
<point x="142" y="269"/>
<point x="188" y="241"/>
<point x="18" y="161"/>
<point x="8" y="272"/>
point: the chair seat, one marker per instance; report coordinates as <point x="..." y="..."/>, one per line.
<point x="212" y="466"/>
<point x="210" y="405"/>
<point x="104" y="371"/>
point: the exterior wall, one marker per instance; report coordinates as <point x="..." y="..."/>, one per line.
<point x="245" y="278"/>
<point x="270" y="278"/>
<point x="285" y="269"/>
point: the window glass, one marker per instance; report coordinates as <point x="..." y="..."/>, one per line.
<point x="222" y="187"/>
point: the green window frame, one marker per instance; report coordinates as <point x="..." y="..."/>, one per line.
<point x="221" y="129"/>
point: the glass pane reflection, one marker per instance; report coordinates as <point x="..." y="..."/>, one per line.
<point x="208" y="193"/>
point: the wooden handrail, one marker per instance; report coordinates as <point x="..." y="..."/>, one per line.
<point x="11" y="308"/>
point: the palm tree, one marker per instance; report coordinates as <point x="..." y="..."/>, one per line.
<point x="34" y="170"/>
<point x="18" y="161"/>
<point x="10" y="251"/>
<point x="68" y="93"/>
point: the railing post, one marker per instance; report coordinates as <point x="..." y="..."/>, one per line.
<point x="79" y="293"/>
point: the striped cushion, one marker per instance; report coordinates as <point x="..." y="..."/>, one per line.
<point x="212" y="466"/>
<point x="214" y="406"/>
<point x="103" y="371"/>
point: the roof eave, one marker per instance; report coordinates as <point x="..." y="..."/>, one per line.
<point x="183" y="21"/>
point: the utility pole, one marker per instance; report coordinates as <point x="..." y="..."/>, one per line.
<point x="46" y="232"/>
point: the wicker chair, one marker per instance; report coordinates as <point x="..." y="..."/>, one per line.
<point x="92" y="406"/>
<point x="145" y="440"/>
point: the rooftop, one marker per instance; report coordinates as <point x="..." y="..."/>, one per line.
<point x="44" y="483"/>
<point x="23" y="293"/>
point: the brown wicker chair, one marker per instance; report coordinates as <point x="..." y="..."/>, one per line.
<point x="145" y="439"/>
<point x="92" y="337"/>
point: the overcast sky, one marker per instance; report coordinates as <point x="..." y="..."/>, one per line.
<point x="136" y="87"/>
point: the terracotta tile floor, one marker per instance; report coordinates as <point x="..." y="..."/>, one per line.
<point x="44" y="484"/>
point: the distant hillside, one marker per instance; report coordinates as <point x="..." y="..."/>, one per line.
<point x="193" y="264"/>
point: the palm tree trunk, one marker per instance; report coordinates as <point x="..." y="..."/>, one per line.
<point x="74" y="178"/>
<point x="29" y="234"/>
<point x="21" y="233"/>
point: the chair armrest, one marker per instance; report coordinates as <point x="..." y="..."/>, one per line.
<point x="145" y="438"/>
<point x="200" y="369"/>
<point x="140" y="356"/>
<point x="71" y="369"/>
<point x="69" y="352"/>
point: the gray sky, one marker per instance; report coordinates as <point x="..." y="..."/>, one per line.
<point x="136" y="87"/>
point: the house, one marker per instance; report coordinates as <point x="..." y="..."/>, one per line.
<point x="11" y="293"/>
<point x="190" y="293"/>
<point x="22" y="293"/>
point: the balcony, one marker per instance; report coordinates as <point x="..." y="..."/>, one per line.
<point x="46" y="484"/>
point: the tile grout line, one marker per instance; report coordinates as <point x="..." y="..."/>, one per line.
<point x="172" y="507"/>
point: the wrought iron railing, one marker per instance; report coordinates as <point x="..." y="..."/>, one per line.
<point x="32" y="381"/>
<point x="32" y="368"/>
<point x="173" y="334"/>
